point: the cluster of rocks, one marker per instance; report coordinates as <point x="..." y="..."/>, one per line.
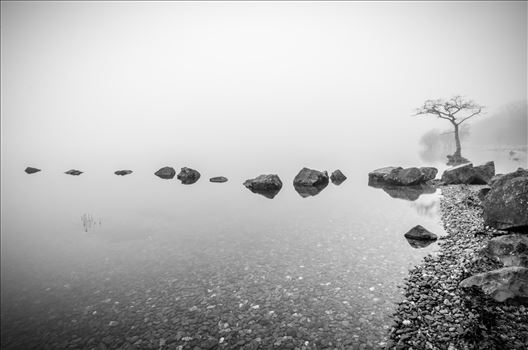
<point x="471" y="294"/>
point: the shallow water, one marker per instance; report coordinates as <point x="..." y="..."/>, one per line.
<point x="101" y="258"/>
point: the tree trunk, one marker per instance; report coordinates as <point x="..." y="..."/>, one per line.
<point x="458" y="152"/>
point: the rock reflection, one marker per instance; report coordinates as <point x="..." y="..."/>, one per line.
<point x="309" y="191"/>
<point x="410" y="193"/>
<point x="417" y="244"/>
<point x="430" y="209"/>
<point x="266" y="193"/>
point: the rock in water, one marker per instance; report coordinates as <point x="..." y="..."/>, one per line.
<point x="506" y="204"/>
<point x="469" y="175"/>
<point x="266" y="185"/>
<point x="418" y="243"/>
<point x="188" y="176"/>
<point x="398" y="176"/>
<point x="502" y="284"/>
<point x="30" y="170"/>
<point x="123" y="172"/>
<point x="429" y="173"/>
<point x="309" y="191"/>
<point x="381" y="175"/>
<point x="218" y="179"/>
<point x="309" y="177"/>
<point x="511" y="250"/>
<point x="166" y="173"/>
<point x="337" y="177"/>
<point x="406" y="177"/>
<point x="484" y="173"/>
<point x="73" y="172"/>
<point x="418" y="232"/>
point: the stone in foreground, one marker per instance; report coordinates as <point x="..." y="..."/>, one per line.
<point x="310" y="177"/>
<point x="510" y="250"/>
<point x="266" y="185"/>
<point x="418" y="232"/>
<point x="188" y="176"/>
<point x="123" y="172"/>
<point x="166" y="173"/>
<point x="218" y="179"/>
<point x="30" y="170"/>
<point x="337" y="177"/>
<point x="73" y="172"/>
<point x="469" y="175"/>
<point x="502" y="284"/>
<point x="506" y="204"/>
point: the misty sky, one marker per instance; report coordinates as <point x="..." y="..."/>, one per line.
<point x="96" y="82"/>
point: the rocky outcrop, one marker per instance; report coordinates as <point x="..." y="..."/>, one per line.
<point x="218" y="179"/>
<point x="420" y="233"/>
<point x="309" y="177"/>
<point x="510" y="250"/>
<point x="73" y="172"/>
<point x="502" y="284"/>
<point x="166" y="173"/>
<point x="266" y="185"/>
<point x="398" y="176"/>
<point x="30" y="170"/>
<point x="188" y="176"/>
<point x="337" y="177"/>
<point x="123" y="172"/>
<point x="469" y="175"/>
<point x="506" y="204"/>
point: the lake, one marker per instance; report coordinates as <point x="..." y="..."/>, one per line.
<point x="104" y="261"/>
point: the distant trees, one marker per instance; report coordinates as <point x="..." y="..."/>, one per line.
<point x="456" y="110"/>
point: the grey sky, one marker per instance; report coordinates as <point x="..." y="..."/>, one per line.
<point x="98" y="81"/>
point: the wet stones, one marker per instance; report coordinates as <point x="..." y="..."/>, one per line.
<point x="73" y="172"/>
<point x="31" y="170"/>
<point x="188" y="176"/>
<point x="218" y="179"/>
<point x="266" y="185"/>
<point x="420" y="233"/>
<point x="510" y="250"/>
<point x="501" y="284"/>
<point x="166" y="173"/>
<point x="123" y="172"/>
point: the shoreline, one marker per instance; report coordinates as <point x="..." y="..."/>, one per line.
<point x="435" y="313"/>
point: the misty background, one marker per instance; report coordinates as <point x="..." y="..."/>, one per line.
<point x="101" y="86"/>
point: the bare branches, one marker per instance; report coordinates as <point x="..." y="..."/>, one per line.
<point x="449" y="109"/>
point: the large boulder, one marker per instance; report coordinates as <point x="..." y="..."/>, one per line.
<point x="266" y="185"/>
<point x="123" y="172"/>
<point x="420" y="233"/>
<point x="398" y="176"/>
<point x="337" y="177"/>
<point x="381" y="175"/>
<point x="73" y="172"/>
<point x="309" y="177"/>
<point x="510" y="250"/>
<point x="502" y="284"/>
<point x="406" y="177"/>
<point x="469" y="175"/>
<point x="506" y="204"/>
<point x="429" y="173"/>
<point x="218" y="179"/>
<point x="188" y="176"/>
<point x="30" y="170"/>
<point x="166" y="173"/>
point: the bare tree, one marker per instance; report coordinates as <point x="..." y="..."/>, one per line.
<point x="456" y="110"/>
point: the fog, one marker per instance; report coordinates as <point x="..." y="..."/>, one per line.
<point x="132" y="84"/>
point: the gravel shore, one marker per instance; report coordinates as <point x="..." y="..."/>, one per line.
<point x="435" y="313"/>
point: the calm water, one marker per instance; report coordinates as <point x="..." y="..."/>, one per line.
<point x="101" y="258"/>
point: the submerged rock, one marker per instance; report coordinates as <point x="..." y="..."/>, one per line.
<point x="310" y="177"/>
<point x="506" y="204"/>
<point x="337" y="177"/>
<point x="469" y="175"/>
<point x="166" y="173"/>
<point x="418" y="232"/>
<point x="218" y="179"/>
<point x="188" y="176"/>
<point x="73" y="172"/>
<point x="510" y="250"/>
<point x="30" y="170"/>
<point x="502" y="284"/>
<point x="266" y="185"/>
<point x="123" y="172"/>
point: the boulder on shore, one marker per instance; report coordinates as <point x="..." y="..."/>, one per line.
<point x="506" y="204"/>
<point x="123" y="172"/>
<point x="337" y="177"/>
<point x="218" y="179"/>
<point x="510" y="250"/>
<point x="188" y="176"/>
<point x="266" y="185"/>
<point x="73" y="172"/>
<point x="418" y="232"/>
<point x="310" y="177"/>
<point x="469" y="175"/>
<point x="398" y="176"/>
<point x="166" y="173"/>
<point x="30" y="170"/>
<point x="502" y="284"/>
